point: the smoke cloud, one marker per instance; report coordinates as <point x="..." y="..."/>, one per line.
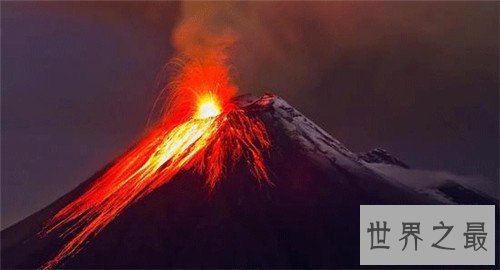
<point x="203" y="31"/>
<point x="372" y="74"/>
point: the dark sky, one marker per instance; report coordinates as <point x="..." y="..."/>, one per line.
<point x="79" y="79"/>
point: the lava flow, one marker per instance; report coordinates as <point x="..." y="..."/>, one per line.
<point x="202" y="131"/>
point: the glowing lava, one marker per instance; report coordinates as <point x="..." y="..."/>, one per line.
<point x="214" y="136"/>
<point x="208" y="106"/>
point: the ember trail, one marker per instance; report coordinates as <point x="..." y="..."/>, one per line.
<point x="202" y="131"/>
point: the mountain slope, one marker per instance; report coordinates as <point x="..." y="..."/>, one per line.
<point x="309" y="217"/>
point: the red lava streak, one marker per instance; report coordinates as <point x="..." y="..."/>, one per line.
<point x="202" y="131"/>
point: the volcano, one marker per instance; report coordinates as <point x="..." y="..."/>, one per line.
<point x="305" y="215"/>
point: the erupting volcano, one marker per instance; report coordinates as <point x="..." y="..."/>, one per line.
<point x="152" y="208"/>
<point x="196" y="191"/>
<point x="203" y="130"/>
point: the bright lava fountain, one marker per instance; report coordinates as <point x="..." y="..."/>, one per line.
<point x="202" y="131"/>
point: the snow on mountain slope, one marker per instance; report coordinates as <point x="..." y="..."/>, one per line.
<point x="444" y="187"/>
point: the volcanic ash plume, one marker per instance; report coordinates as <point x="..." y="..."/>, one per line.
<point x="202" y="130"/>
<point x="204" y="31"/>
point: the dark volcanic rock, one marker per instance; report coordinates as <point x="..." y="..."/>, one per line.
<point x="379" y="155"/>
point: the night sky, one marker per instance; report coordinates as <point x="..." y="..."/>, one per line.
<point x="78" y="81"/>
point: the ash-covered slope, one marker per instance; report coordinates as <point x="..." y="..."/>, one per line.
<point x="308" y="218"/>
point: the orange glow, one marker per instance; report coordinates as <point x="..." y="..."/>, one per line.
<point x="202" y="131"/>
